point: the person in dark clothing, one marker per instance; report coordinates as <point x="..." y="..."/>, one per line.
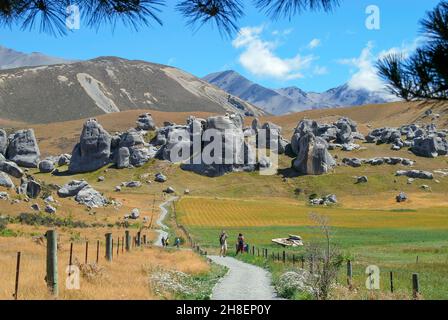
<point x="240" y="244"/>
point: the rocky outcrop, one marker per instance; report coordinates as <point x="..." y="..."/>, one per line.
<point x="5" y="181"/>
<point x="72" y="188"/>
<point x="160" y="177"/>
<point x="23" y="149"/>
<point x="3" y="142"/>
<point x="93" y="150"/>
<point x="11" y="168"/>
<point x="313" y="157"/>
<point x="356" y="162"/>
<point x="146" y="122"/>
<point x="430" y="146"/>
<point x="122" y="158"/>
<point x="29" y="187"/>
<point x="415" y="174"/>
<point x="91" y="198"/>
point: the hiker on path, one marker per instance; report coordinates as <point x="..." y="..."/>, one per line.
<point x="167" y="242"/>
<point x="223" y="242"/>
<point x="177" y="242"/>
<point x="240" y="244"/>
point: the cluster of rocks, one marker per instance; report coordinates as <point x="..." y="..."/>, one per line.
<point x="49" y="164"/>
<point x="357" y="162"/>
<point x="83" y="193"/>
<point x="415" y="174"/>
<point x="97" y="148"/>
<point x="311" y="142"/>
<point x="325" y="201"/>
<point x="424" y="141"/>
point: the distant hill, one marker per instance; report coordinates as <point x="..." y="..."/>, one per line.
<point x="84" y="89"/>
<point x="293" y="99"/>
<point x="10" y="59"/>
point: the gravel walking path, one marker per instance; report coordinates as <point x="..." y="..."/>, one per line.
<point x="243" y="281"/>
<point x="163" y="227"/>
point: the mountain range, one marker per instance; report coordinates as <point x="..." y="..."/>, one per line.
<point x="293" y="99"/>
<point x="10" y="59"/>
<point x="78" y="90"/>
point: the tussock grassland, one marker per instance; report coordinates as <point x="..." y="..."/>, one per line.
<point x="127" y="277"/>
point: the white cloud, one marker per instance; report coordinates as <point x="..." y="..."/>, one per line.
<point x="260" y="59"/>
<point x="314" y="43"/>
<point x="319" y="71"/>
<point x="365" y="75"/>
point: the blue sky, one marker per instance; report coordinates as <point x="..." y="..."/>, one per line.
<point x="313" y="51"/>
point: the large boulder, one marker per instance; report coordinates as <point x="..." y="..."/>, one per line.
<point x="91" y="198"/>
<point x="3" y="142"/>
<point x="93" y="150"/>
<point x="23" y="149"/>
<point x="313" y="157"/>
<point x="33" y="189"/>
<point x="11" y="168"/>
<point x="123" y="158"/>
<point x="305" y="126"/>
<point x="5" y="181"/>
<point x="430" y="147"/>
<point x="344" y="134"/>
<point x="146" y="122"/>
<point x="46" y="166"/>
<point x="72" y="188"/>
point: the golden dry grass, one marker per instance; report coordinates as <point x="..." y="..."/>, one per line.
<point x="125" y="278"/>
<point x="281" y="212"/>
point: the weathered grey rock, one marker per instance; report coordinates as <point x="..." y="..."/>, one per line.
<point x="35" y="207"/>
<point x="123" y="156"/>
<point x="331" y="198"/>
<point x="33" y="189"/>
<point x="352" y="162"/>
<point x="64" y="159"/>
<point x="140" y="156"/>
<point x="3" y="142"/>
<point x="416" y="174"/>
<point x="313" y="157"/>
<point x="11" y="168"/>
<point x="169" y="190"/>
<point x="4" y="196"/>
<point x="225" y="122"/>
<point x="46" y="166"/>
<point x="135" y="214"/>
<point x="131" y="138"/>
<point x="146" y="122"/>
<point x="187" y="191"/>
<point x="304" y="127"/>
<point x="133" y="184"/>
<point x="23" y="149"/>
<point x="160" y="177"/>
<point x="49" y="199"/>
<point x="5" y="181"/>
<point x="402" y="197"/>
<point x="344" y="134"/>
<point x="117" y="188"/>
<point x="93" y="150"/>
<point x="430" y="147"/>
<point x="50" y="209"/>
<point x="91" y="198"/>
<point x="72" y="188"/>
<point x="362" y="179"/>
<point x="101" y="179"/>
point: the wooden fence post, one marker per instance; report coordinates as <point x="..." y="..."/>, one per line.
<point x="87" y="252"/>
<point x="284" y="256"/>
<point x="391" y="282"/>
<point x="118" y="247"/>
<point x="349" y="273"/>
<point x="109" y="247"/>
<point x="144" y="239"/>
<point x="122" y="244"/>
<point x="415" y="285"/>
<point x="258" y="252"/>
<point x="138" y="240"/>
<point x="97" y="251"/>
<point x="302" y="259"/>
<point x="52" y="262"/>
<point x="293" y="259"/>
<point x="128" y="240"/>
<point x="70" y="259"/>
<point x="16" y="287"/>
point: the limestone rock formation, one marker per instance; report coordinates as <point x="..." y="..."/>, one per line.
<point x="46" y="166"/>
<point x="23" y="149"/>
<point x="146" y="122"/>
<point x="93" y="150"/>
<point x="91" y="198"/>
<point x="313" y="157"/>
<point x="11" y="168"/>
<point x="5" y="181"/>
<point x="72" y="188"/>
<point x="3" y="142"/>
